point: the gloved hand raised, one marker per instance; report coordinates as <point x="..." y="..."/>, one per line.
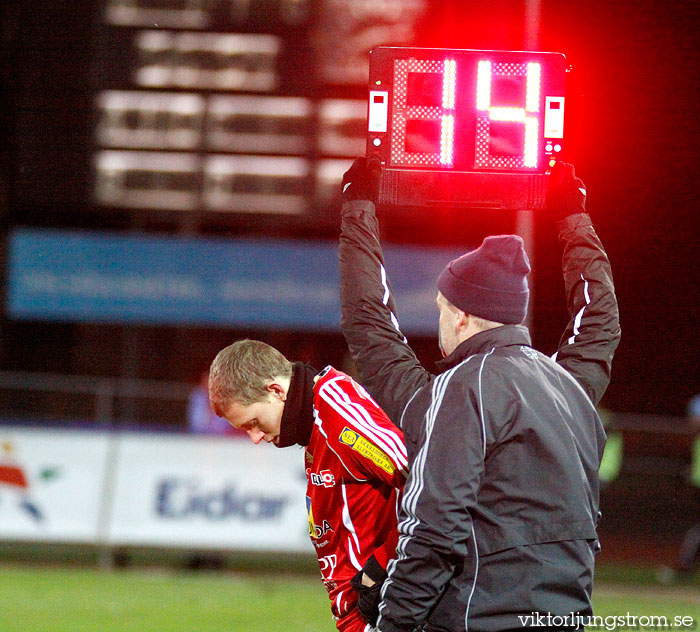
<point x="566" y="194"/>
<point x="361" y="181"/>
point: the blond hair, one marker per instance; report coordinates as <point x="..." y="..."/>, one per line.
<point x="242" y="371"/>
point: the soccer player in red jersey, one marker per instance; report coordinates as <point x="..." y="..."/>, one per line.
<point x="355" y="459"/>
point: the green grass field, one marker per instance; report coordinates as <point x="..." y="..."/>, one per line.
<point x="50" y="599"/>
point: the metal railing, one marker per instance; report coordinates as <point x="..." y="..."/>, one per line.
<point x="102" y="400"/>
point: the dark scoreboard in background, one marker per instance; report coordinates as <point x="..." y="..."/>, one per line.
<point x="218" y="107"/>
<point x="239" y="107"/>
<point x="231" y="106"/>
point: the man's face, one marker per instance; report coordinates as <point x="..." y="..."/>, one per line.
<point x="261" y="420"/>
<point x="447" y="325"/>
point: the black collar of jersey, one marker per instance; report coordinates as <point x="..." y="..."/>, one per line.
<point x="298" y="414"/>
<point x="502" y="336"/>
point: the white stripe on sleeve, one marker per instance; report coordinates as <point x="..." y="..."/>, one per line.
<point x="347" y="521"/>
<point x="359" y="418"/>
<point x="417" y="480"/>
<point x="365" y="418"/>
<point x="385" y="300"/>
<point x="579" y="316"/>
<point x="319" y="422"/>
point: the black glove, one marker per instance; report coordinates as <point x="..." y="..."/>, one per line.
<point x="566" y="194"/>
<point x="369" y="597"/>
<point x="361" y="181"/>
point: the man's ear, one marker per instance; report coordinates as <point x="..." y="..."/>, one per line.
<point x="462" y="321"/>
<point x="277" y="389"/>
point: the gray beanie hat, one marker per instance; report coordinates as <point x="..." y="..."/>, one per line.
<point x="491" y="281"/>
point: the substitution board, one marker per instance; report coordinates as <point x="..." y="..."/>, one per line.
<point x="465" y="128"/>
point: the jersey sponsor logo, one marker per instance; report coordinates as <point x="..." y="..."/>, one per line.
<point x="330" y="585"/>
<point x="328" y="564"/>
<point x="366" y="449"/>
<point x="320" y="530"/>
<point x="324" y="478"/>
<point x="316" y="531"/>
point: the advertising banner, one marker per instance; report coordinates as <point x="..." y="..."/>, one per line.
<point x="51" y="484"/>
<point x="263" y="283"/>
<point x="187" y="492"/>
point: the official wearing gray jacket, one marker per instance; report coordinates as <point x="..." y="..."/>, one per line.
<point x="498" y="522"/>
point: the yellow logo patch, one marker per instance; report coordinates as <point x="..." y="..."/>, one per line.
<point x="367" y="450"/>
<point x="310" y="517"/>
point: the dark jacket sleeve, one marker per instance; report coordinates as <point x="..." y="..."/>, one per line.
<point x="388" y="368"/>
<point x="436" y="525"/>
<point x="586" y="349"/>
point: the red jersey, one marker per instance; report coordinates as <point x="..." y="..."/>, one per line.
<point x="356" y="465"/>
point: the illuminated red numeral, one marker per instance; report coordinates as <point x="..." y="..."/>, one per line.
<point x="444" y="114"/>
<point x="447" y="127"/>
<point x="487" y="113"/>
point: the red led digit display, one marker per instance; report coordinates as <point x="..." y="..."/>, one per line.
<point x="476" y="115"/>
<point x="516" y="145"/>
<point x="423" y="112"/>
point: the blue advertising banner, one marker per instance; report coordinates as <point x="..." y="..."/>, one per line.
<point x="80" y="276"/>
